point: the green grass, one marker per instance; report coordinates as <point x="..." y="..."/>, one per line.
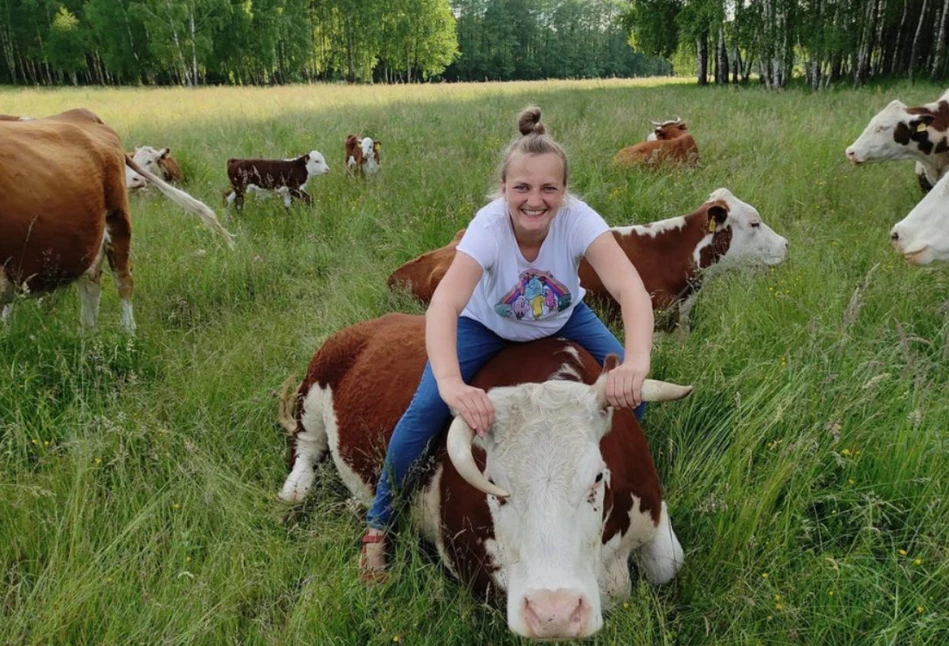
<point x="806" y="476"/>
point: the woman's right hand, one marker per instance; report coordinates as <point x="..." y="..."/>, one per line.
<point x="471" y="403"/>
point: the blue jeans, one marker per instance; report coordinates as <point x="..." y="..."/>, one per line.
<point x="427" y="413"/>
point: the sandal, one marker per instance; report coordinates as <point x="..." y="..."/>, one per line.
<point x="372" y="558"/>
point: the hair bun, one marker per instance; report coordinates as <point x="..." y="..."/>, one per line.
<point x="529" y="122"/>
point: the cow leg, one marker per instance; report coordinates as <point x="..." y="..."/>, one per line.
<point x="118" y="251"/>
<point x="309" y="445"/>
<point x="6" y="296"/>
<point x="90" y="290"/>
<point x="300" y="194"/>
<point x="685" y="315"/>
<point x="662" y="557"/>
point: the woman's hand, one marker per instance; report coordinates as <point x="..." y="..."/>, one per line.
<point x="624" y="383"/>
<point x="471" y="403"/>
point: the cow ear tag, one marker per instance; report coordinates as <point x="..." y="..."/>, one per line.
<point x="921" y="126"/>
<point x="711" y="226"/>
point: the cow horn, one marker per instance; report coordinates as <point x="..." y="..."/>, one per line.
<point x="653" y="390"/>
<point x="460" y="436"/>
<point x="678" y="120"/>
<point x="656" y="123"/>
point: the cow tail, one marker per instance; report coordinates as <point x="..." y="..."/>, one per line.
<point x="185" y="201"/>
<point x="286" y="408"/>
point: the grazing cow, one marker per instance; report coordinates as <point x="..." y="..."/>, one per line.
<point x="64" y="209"/>
<point x="159" y="162"/>
<point x="362" y="155"/>
<point x="670" y="255"/>
<point x="668" y="142"/>
<point x="900" y="132"/>
<point x="923" y="236"/>
<point x="287" y="177"/>
<point x="546" y="510"/>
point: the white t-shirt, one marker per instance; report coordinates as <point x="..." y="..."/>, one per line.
<point x="520" y="300"/>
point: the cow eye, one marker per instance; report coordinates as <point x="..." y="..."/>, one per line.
<point x="755" y="225"/>
<point x="599" y="478"/>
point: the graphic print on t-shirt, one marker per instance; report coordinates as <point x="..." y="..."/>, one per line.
<point x="536" y="295"/>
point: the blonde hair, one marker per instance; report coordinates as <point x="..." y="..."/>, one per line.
<point x="533" y="140"/>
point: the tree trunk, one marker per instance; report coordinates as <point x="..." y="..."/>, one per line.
<point x="915" y="47"/>
<point x="939" y="46"/>
<point x="895" y="62"/>
<point x="194" y="49"/>
<point x="701" y="44"/>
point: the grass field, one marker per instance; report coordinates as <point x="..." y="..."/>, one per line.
<point x="806" y="476"/>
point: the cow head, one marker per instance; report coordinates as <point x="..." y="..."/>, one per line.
<point x="133" y="180"/>
<point x="896" y="132"/>
<point x="546" y="480"/>
<point x="665" y="130"/>
<point x="923" y="235"/>
<point x="739" y="228"/>
<point x="315" y="164"/>
<point x="150" y="159"/>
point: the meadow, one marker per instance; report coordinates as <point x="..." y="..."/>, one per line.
<point x="806" y="475"/>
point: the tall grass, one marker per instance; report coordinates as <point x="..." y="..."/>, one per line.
<point x="805" y="476"/>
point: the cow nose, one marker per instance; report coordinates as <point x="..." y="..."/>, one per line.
<point x="556" y="614"/>
<point x="852" y="155"/>
<point x="894" y="236"/>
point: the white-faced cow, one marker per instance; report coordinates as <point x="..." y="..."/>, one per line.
<point x="901" y="132"/>
<point x="923" y="236"/>
<point x="286" y="177"/>
<point x="159" y="162"/>
<point x="64" y="209"/>
<point x="362" y="155"/>
<point x="546" y="511"/>
<point x="669" y="141"/>
<point x="671" y="256"/>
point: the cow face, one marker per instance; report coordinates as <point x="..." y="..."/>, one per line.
<point x="370" y="153"/>
<point x="923" y="236"/>
<point x="133" y="180"/>
<point x="150" y="159"/>
<point x="316" y="164"/>
<point x="751" y="239"/>
<point x="543" y="450"/>
<point x="894" y="133"/>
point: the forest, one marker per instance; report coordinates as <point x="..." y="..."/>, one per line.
<point x="260" y="42"/>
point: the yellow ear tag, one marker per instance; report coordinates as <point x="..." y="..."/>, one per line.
<point x="711" y="226"/>
<point x="920" y="127"/>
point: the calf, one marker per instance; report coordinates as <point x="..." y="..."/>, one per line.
<point x="900" y="132"/>
<point x="670" y="255"/>
<point x="287" y="177"/>
<point x="668" y="142"/>
<point x="362" y="155"/>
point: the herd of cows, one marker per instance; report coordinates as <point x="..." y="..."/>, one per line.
<point x="557" y="555"/>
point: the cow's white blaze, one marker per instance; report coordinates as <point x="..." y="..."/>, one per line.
<point x="544" y="450"/>
<point x="752" y="239"/>
<point x="923" y="235"/>
<point x="369" y="154"/>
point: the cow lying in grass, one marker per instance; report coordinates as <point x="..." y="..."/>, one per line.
<point x="669" y="142"/>
<point x="545" y="511"/>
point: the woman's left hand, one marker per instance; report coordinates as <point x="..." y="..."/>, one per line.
<point x="624" y="383"/>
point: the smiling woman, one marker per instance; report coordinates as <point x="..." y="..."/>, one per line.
<point x="515" y="278"/>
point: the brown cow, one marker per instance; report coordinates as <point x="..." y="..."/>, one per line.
<point x="64" y="209"/>
<point x="547" y="513"/>
<point x="286" y="177"/>
<point x="670" y="255"/>
<point x="362" y="155"/>
<point x="669" y="142"/>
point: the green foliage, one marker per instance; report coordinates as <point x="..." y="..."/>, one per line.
<point x="804" y="476"/>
